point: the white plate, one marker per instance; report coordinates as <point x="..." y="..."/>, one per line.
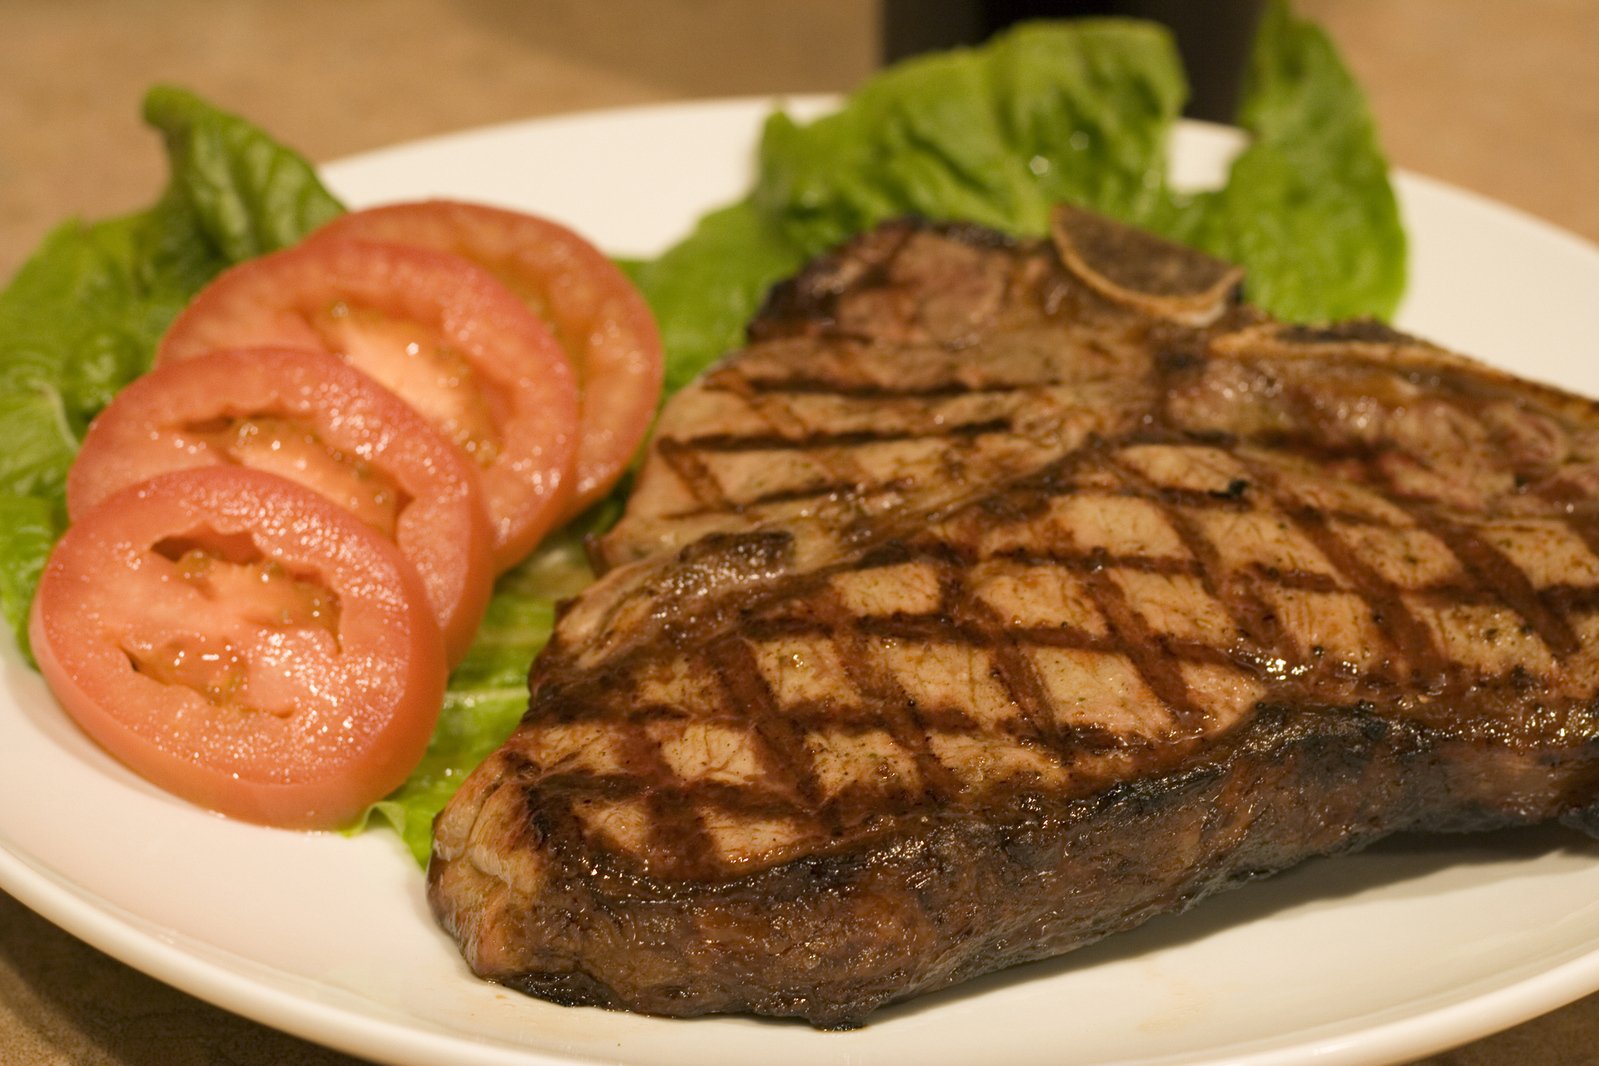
<point x="1408" y="948"/>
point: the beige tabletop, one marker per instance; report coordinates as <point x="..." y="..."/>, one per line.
<point x="1500" y="98"/>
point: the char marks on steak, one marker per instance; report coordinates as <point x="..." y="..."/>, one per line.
<point x="1001" y="595"/>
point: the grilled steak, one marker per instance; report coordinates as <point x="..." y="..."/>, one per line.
<point x="1001" y="595"/>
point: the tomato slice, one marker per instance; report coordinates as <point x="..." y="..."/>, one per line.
<point x="308" y="417"/>
<point x="596" y="313"/>
<point x="434" y="328"/>
<point x="242" y="642"/>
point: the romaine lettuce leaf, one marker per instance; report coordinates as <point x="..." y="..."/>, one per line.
<point x="29" y="527"/>
<point x="997" y="135"/>
<point x="1080" y="111"/>
<point x="705" y="289"/>
<point x="488" y="692"/>
<point x="1308" y="209"/>
<point x="82" y="316"/>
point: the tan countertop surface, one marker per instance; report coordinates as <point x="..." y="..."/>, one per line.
<point x="1499" y="98"/>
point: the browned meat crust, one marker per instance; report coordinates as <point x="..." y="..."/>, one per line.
<point x="1001" y="595"/>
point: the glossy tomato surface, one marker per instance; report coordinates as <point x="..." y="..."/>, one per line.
<point x="442" y="333"/>
<point x="596" y="313"/>
<point x="243" y="643"/>
<point x="306" y="416"/>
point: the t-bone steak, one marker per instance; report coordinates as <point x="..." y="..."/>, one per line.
<point x="1000" y="595"/>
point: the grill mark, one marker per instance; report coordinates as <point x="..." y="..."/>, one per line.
<point x="1561" y="599"/>
<point x="730" y="798"/>
<point x="1506" y="580"/>
<point x="1084" y="562"/>
<point x="589" y="784"/>
<point x="832" y="490"/>
<point x="1585" y="524"/>
<point x="827" y="716"/>
<point x="734" y="443"/>
<point x="848" y="486"/>
<point x="1012" y="670"/>
<point x="674" y="825"/>
<point x="800" y="385"/>
<point x="924" y="628"/>
<point x="900" y="717"/>
<point x="782" y="749"/>
<point x="743" y="801"/>
<point x="549" y="820"/>
<point x="1304" y="580"/>
<point x="693" y="474"/>
<point x="554" y="823"/>
<point x="1572" y="599"/>
<point x="1411" y="637"/>
<point x="1130" y="637"/>
<point x="928" y="627"/>
<point x="1142" y="648"/>
<point x="1298" y="580"/>
<point x="775" y="411"/>
<point x="1196" y="500"/>
<point x="1250" y="615"/>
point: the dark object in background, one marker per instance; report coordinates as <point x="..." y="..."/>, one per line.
<point x="1213" y="36"/>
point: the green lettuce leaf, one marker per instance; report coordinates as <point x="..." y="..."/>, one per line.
<point x="1080" y="111"/>
<point x="488" y="692"/>
<point x="1308" y="209"/>
<point x="249" y="195"/>
<point x="82" y="316"/>
<point x="28" y="528"/>
<point x="1047" y="112"/>
<point x="705" y="289"/>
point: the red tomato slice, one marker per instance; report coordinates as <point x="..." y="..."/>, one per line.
<point x="594" y="310"/>
<point x="243" y="643"/>
<point x="307" y="417"/>
<point x="439" y="331"/>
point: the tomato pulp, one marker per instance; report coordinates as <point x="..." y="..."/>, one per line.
<point x="595" y="312"/>
<point x="243" y="643"/>
<point x="308" y="417"/>
<point x="437" y="330"/>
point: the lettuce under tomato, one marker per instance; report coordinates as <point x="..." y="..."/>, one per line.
<point x="1078" y="111"/>
<point x="488" y="692"/>
<point x="82" y="318"/>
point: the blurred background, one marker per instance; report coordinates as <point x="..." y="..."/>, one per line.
<point x="1213" y="37"/>
<point x="1501" y="98"/>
